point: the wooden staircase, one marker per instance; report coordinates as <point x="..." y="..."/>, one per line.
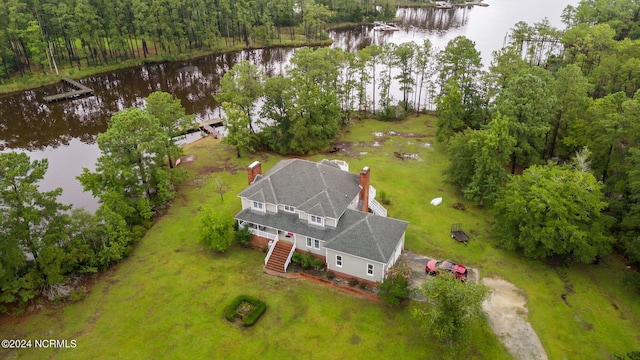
<point x="279" y="257"/>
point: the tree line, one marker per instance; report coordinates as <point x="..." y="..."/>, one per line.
<point x="39" y="36"/>
<point x="559" y="110"/>
<point x="43" y="243"/>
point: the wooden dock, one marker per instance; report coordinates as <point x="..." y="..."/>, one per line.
<point x="209" y="126"/>
<point x="80" y="90"/>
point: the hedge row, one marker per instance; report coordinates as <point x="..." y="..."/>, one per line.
<point x="259" y="308"/>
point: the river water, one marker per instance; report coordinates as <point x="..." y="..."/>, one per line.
<point x="65" y="132"/>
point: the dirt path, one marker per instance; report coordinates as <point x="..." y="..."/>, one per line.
<point x="507" y="315"/>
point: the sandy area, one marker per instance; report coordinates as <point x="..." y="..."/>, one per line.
<point x="507" y="315"/>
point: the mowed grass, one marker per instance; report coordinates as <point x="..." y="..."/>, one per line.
<point x="166" y="299"/>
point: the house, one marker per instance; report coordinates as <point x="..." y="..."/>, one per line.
<point x="323" y="209"/>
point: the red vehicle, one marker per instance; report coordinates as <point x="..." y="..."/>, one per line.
<point x="435" y="266"/>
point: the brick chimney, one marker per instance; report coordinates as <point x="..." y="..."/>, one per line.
<point x="254" y="170"/>
<point x="365" y="179"/>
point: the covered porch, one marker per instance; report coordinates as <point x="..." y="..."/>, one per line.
<point x="281" y="245"/>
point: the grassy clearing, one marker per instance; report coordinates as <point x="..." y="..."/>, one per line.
<point x="167" y="299"/>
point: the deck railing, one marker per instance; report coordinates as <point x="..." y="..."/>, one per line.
<point x="273" y="246"/>
<point x="376" y="208"/>
<point x="293" y="249"/>
<point x="264" y="234"/>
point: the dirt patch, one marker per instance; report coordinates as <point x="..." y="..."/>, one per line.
<point x="406" y="156"/>
<point x="507" y="315"/>
<point x="342" y="147"/>
<point x="187" y="159"/>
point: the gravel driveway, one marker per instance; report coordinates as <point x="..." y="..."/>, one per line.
<point x="417" y="263"/>
<point x="505" y="307"/>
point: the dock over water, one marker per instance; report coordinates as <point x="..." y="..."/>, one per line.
<point x="80" y="90"/>
<point x="209" y="126"/>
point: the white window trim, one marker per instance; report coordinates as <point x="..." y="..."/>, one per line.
<point x="259" y="206"/>
<point x="289" y="209"/>
<point x="320" y="223"/>
<point x="339" y="261"/>
<point x="309" y="242"/>
<point x="316" y="244"/>
<point x="372" y="269"/>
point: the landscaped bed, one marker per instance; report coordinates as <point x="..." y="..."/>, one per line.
<point x="245" y="309"/>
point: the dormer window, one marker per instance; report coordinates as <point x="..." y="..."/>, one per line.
<point x="255" y="205"/>
<point x="290" y="209"/>
<point x="316" y="220"/>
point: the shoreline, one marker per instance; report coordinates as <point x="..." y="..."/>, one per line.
<point x="452" y="6"/>
<point x="42" y="80"/>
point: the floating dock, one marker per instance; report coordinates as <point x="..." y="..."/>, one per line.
<point x="80" y="90"/>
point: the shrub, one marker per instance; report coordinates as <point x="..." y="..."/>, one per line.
<point x="307" y="261"/>
<point x="395" y="287"/>
<point x="331" y="275"/>
<point x="243" y="236"/>
<point x="251" y="318"/>
<point x="297" y="258"/>
<point x="363" y="285"/>
<point x="385" y="198"/>
<point x="353" y="282"/>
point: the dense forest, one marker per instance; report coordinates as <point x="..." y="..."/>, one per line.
<point x="547" y="137"/>
<point x="38" y="36"/>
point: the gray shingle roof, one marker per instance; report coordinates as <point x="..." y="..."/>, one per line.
<point x="318" y="188"/>
<point x="358" y="233"/>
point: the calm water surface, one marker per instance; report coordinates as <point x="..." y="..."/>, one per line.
<point x="65" y="132"/>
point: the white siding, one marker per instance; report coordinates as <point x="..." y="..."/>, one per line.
<point x="303" y="216"/>
<point x="396" y="253"/>
<point x="301" y="244"/>
<point x="330" y="222"/>
<point x="355" y="266"/>
<point x="354" y="203"/>
<point x="246" y="203"/>
<point x="272" y="208"/>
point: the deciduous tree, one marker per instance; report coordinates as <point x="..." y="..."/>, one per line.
<point x="130" y="170"/>
<point x="216" y="230"/>
<point x="172" y="119"/>
<point x="455" y="306"/>
<point x="553" y="210"/>
<point x="32" y="225"/>
<point x="236" y="122"/>
<point x="242" y="86"/>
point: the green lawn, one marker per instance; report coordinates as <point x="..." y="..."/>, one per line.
<point x="166" y="300"/>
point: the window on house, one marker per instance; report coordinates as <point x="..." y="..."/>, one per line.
<point x="257" y="205"/>
<point x="309" y="242"/>
<point x="316" y="219"/>
<point x="370" y="269"/>
<point x="316" y="244"/>
<point x="338" y="261"/>
<point x="290" y="209"/>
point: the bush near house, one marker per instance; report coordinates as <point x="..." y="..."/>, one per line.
<point x="395" y="287"/>
<point x="307" y="261"/>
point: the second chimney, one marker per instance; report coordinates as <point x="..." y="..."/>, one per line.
<point x="254" y="170"/>
<point x="365" y="179"/>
